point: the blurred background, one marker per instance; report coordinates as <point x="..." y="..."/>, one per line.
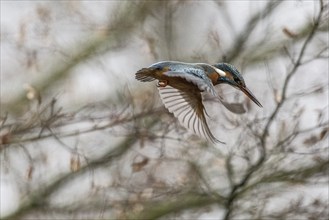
<point x="81" y="138"/>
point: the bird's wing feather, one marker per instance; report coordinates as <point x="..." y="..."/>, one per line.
<point x="197" y="78"/>
<point x="187" y="107"/>
<point x="204" y="84"/>
<point x="236" y="108"/>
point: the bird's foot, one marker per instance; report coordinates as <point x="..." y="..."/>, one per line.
<point x="162" y="83"/>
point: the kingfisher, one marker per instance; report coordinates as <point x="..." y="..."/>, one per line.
<point x="181" y="86"/>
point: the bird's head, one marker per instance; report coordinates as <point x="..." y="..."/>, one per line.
<point x="230" y="75"/>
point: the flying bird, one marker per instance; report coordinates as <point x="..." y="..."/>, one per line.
<point x="180" y="86"/>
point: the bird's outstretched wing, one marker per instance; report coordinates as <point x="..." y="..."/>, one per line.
<point x="204" y="84"/>
<point x="197" y="78"/>
<point x="236" y="107"/>
<point x="186" y="103"/>
<point x="188" y="108"/>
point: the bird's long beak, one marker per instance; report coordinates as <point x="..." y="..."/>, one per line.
<point x="246" y="91"/>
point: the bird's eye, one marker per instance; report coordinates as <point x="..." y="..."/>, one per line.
<point x="238" y="81"/>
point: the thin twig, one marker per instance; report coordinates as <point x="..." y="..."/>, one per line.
<point x="235" y="190"/>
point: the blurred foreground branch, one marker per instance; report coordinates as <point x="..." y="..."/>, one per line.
<point x="117" y="31"/>
<point x="38" y="198"/>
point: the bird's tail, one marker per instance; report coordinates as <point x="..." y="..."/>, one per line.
<point x="145" y="75"/>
